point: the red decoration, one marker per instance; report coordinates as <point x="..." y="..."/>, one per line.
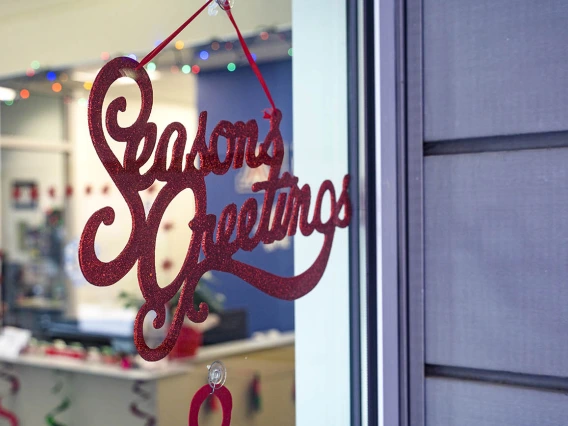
<point x="106" y="189"/>
<point x="51" y="192"/>
<point x="144" y="396"/>
<point x="291" y="211"/>
<point x="34" y="193"/>
<point x="69" y="191"/>
<point x="187" y="344"/>
<point x="212" y="403"/>
<point x="167" y="265"/>
<point x="168" y="226"/>
<point x="65" y="352"/>
<point x="88" y="189"/>
<point x="16" y="193"/>
<point x="199" y="398"/>
<point x="152" y="189"/>
<point x="10" y="417"/>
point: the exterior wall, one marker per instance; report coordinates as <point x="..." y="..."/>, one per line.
<point x="495" y="201"/>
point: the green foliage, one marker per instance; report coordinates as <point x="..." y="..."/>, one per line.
<point x="203" y="293"/>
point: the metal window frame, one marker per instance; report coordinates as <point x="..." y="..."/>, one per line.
<point x="411" y="212"/>
<point x="386" y="237"/>
<point x="412" y="195"/>
<point x="391" y="138"/>
<point x="396" y="127"/>
<point x="356" y="247"/>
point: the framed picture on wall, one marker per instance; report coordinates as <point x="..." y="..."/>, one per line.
<point x="24" y="194"/>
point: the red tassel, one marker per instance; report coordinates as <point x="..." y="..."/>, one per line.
<point x="34" y="193"/>
<point x="16" y="193"/>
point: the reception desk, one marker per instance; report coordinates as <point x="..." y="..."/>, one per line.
<point x="102" y="394"/>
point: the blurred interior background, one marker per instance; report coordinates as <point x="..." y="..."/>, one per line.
<point x="80" y="336"/>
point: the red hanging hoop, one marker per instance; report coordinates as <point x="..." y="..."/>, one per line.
<point x="201" y="396"/>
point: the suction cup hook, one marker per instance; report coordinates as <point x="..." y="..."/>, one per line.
<point x="223" y="4"/>
<point x="217" y="375"/>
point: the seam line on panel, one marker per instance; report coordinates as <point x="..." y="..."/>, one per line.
<point x="545" y="140"/>
<point x="525" y="380"/>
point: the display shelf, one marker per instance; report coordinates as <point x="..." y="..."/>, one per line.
<point x="167" y="369"/>
<point x="237" y="347"/>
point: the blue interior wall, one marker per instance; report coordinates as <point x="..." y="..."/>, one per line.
<point x="238" y="96"/>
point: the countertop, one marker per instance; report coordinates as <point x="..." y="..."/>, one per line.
<point x="159" y="370"/>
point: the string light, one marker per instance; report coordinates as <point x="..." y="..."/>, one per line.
<point x="186" y="69"/>
<point x="9" y="103"/>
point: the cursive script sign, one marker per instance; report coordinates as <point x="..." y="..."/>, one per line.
<point x="214" y="240"/>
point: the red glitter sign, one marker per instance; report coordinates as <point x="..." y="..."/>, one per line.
<point x="214" y="240"/>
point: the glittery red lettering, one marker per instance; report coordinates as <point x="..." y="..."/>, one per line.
<point x="218" y="239"/>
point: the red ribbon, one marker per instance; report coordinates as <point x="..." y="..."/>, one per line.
<point x="8" y="415"/>
<point x="163" y="44"/>
<point x="252" y="62"/>
<point x="14" y="388"/>
<point x="244" y="45"/>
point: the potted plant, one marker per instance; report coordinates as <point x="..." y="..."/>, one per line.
<point x="190" y="337"/>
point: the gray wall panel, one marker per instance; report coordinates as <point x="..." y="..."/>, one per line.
<point x="496" y="250"/>
<point x="494" y="67"/>
<point x="457" y="403"/>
